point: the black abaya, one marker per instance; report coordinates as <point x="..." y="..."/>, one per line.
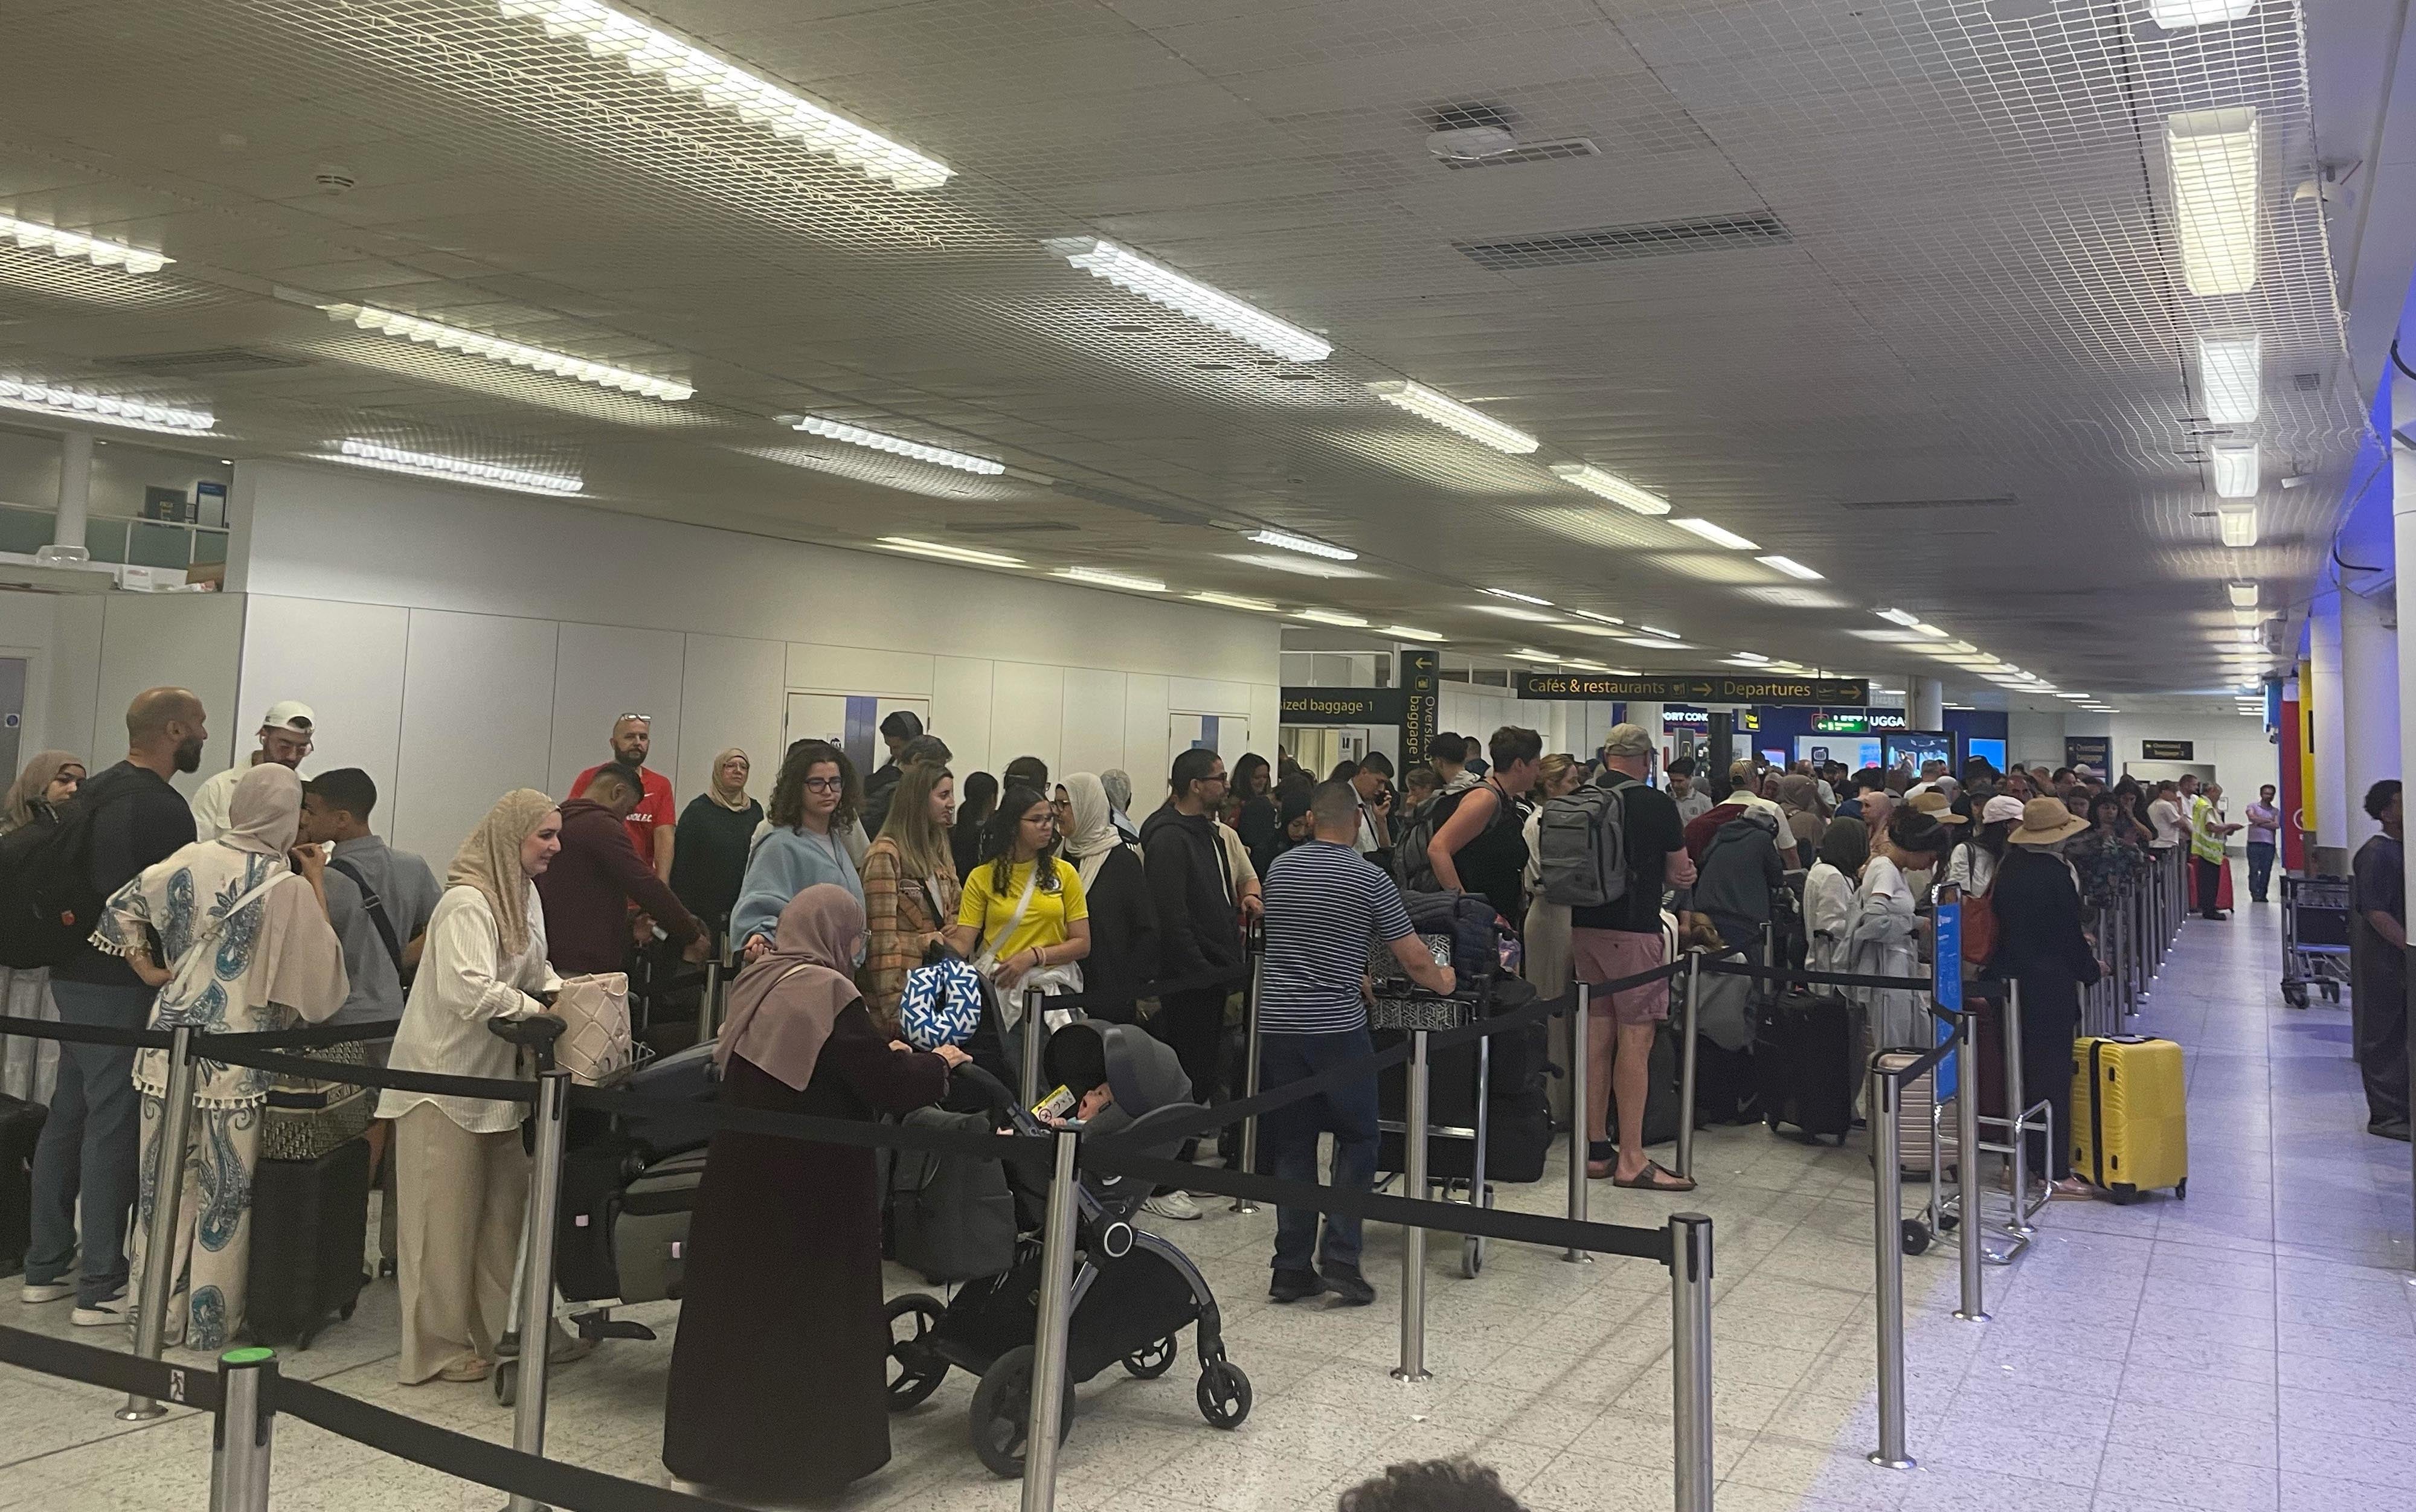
<point x="778" y="1368"/>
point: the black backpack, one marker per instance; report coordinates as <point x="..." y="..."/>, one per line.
<point x="48" y="902"/>
<point x="1411" y="868"/>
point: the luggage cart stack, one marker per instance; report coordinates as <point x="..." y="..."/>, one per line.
<point x="1402" y="1008"/>
<point x="2315" y="936"/>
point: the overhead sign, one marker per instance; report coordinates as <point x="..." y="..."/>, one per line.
<point x="2092" y="751"/>
<point x="1799" y="691"/>
<point x="1421" y="671"/>
<point x="1345" y="705"/>
<point x="2167" y="751"/>
<point x="1688" y="716"/>
<point x="1857" y="722"/>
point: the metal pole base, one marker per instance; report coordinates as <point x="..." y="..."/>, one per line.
<point x="1243" y="1205"/>
<point x="1413" y="1377"/>
<point x="1885" y="1463"/>
<point x="1577" y="1257"/>
<point x="139" y="1415"/>
<point x="1970" y="1317"/>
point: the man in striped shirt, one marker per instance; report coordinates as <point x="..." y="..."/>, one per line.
<point x="1326" y="903"/>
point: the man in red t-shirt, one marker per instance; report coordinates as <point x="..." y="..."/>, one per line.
<point x="654" y="821"/>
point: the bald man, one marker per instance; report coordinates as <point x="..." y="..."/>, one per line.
<point x="88" y="1145"/>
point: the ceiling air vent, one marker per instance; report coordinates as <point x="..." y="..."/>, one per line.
<point x="1533" y="151"/>
<point x="215" y="360"/>
<point x="1613" y="244"/>
<point x="2307" y="382"/>
<point x="1994" y="502"/>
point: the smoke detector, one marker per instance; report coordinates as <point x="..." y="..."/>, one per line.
<point x="1469" y="133"/>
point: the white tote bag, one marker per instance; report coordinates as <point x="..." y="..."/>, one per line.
<point x="594" y="1046"/>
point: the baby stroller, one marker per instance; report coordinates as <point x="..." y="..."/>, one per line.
<point x="1133" y="1291"/>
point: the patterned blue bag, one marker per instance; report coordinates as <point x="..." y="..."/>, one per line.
<point x="941" y="1004"/>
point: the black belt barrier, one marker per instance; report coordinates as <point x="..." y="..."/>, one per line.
<point x="1974" y="987"/>
<point x="493" y="1089"/>
<point x="129" y="1374"/>
<point x="678" y="1113"/>
<point x="310" y="1037"/>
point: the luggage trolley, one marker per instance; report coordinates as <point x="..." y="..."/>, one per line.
<point x="1400" y="1008"/>
<point x="2315" y="936"/>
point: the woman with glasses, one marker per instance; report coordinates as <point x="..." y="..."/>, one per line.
<point x="1025" y="919"/>
<point x="817" y="785"/>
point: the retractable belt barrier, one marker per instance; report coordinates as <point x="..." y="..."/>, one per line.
<point x="1981" y="987"/>
<point x="108" y="1368"/>
<point x="311" y="1037"/>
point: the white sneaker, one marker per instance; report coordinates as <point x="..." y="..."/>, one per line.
<point x="38" y="1292"/>
<point x="1173" y="1204"/>
<point x="102" y="1314"/>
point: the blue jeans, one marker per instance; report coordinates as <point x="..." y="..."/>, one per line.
<point x="1288" y="1141"/>
<point x="2260" y="868"/>
<point x="88" y="1145"/>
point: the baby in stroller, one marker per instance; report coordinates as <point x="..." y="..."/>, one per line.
<point x="1133" y="1290"/>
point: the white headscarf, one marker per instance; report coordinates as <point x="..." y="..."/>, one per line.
<point x="1094" y="837"/>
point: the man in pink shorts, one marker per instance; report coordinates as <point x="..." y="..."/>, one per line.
<point x="1621" y="940"/>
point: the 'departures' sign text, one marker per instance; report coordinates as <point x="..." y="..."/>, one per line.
<point x="1811" y="691"/>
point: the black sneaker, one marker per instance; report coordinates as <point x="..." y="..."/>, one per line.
<point x="1294" y="1286"/>
<point x="1350" y="1288"/>
<point x="2386" y="1127"/>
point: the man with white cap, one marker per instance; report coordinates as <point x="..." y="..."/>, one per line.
<point x="286" y="733"/>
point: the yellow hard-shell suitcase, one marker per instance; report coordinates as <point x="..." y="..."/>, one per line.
<point x="2129" y="1120"/>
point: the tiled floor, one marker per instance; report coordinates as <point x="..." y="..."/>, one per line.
<point x="2253" y="1348"/>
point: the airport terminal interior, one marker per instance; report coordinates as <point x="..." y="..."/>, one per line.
<point x="865" y="476"/>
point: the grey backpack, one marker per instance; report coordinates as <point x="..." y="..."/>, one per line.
<point x="1581" y="846"/>
<point x="952" y="1217"/>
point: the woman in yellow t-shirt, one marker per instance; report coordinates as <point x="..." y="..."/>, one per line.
<point x="1019" y="853"/>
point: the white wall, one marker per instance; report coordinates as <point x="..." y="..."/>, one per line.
<point x="88" y="655"/>
<point x="458" y="643"/>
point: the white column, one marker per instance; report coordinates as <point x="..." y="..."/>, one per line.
<point x="2369" y="706"/>
<point x="75" y="488"/>
<point x="2332" y="802"/>
<point x="1926" y="703"/>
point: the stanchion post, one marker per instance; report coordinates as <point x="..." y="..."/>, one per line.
<point x="1691" y="1360"/>
<point x="1032" y="1032"/>
<point x="1887" y="1255"/>
<point x="1686" y="1155"/>
<point x="1966" y="1160"/>
<point x="1049" y="1336"/>
<point x="537" y="1275"/>
<point x="160" y="1233"/>
<point x="1413" y="1239"/>
<point x="708" y="1007"/>
<point x="239" y="1441"/>
<point x="1250" y="1068"/>
<point x="2017" y="1108"/>
<point x="1581" y="1106"/>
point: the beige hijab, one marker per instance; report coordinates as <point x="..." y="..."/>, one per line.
<point x="489" y="861"/>
<point x="783" y="1007"/>
<point x="18" y="808"/>
<point x="1094" y="835"/>
<point x="734" y="801"/>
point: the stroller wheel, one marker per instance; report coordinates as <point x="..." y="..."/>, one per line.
<point x="1149" y="1363"/>
<point x="507" y="1381"/>
<point x="1916" y="1237"/>
<point x="1224" y="1395"/>
<point x="1002" y="1411"/>
<point x="914" y="1370"/>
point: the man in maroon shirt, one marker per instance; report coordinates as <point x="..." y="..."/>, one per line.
<point x="588" y="890"/>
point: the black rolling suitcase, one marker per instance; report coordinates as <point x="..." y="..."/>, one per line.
<point x="1661" y="1090"/>
<point x="1806" y="1063"/>
<point x="21" y="1128"/>
<point x="309" y="1229"/>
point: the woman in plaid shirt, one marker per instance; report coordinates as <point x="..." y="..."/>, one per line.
<point x="910" y="886"/>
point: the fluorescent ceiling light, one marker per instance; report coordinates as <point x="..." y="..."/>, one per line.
<point x="1406" y="633"/>
<point x="1209" y="306"/>
<point x="1526" y="655"/>
<point x="2212" y="155"/>
<point x="1235" y="601"/>
<point x="1451" y="415"/>
<point x="646" y="49"/>
<point x="1652" y="644"/>
<point x="2243" y="595"/>
<point x="2179" y="15"/>
<point x="1104" y="579"/>
<point x="71" y="244"/>
<point x="2235" y="465"/>
<point x="950" y="553"/>
<point x="1611" y="486"/>
<point x="1529" y="616"/>
<point x="1604" y="631"/>
<point x="1898" y="617"/>
<point x="1301" y="566"/>
<point x="1926" y="628"/>
<point x="2239" y="526"/>
<point x="1584" y="666"/>
<point x="1715" y="535"/>
<point x="2077" y="697"/>
<point x="1665" y="634"/>
<point x="2247" y="616"/>
<point x="70" y="404"/>
<point x="1789" y="565"/>
<point x="1304" y="544"/>
<point x="2231" y="374"/>
<point x="1523" y="598"/>
<point x="454" y="469"/>
<point x="1600" y="618"/>
<point x="514" y="354"/>
<point x="814" y="425"/>
<point x="1746" y="658"/>
<point x="1347" y="622"/>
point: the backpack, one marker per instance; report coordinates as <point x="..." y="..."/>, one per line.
<point x="1476" y="932"/>
<point x="1581" y="845"/>
<point x="48" y="902"/>
<point x="1411" y="868"/>
<point x="1980" y="924"/>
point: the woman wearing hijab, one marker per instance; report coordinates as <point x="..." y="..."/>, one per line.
<point x="709" y="855"/>
<point x="29" y="1068"/>
<point x="47" y="780"/>
<point x="910" y="884"/>
<point x="1123" y="922"/>
<point x="244" y="930"/>
<point x="2040" y="945"/>
<point x="777" y="1371"/>
<point x="462" y="1178"/>
<point x="1798" y="810"/>
<point x="1829" y="893"/>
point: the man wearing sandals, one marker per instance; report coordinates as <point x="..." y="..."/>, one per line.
<point x="1622" y="939"/>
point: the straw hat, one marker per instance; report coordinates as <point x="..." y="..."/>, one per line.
<point x="2044" y="821"/>
<point x="1937" y="806"/>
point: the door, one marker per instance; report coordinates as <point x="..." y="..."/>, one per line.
<point x="1227" y="734"/>
<point x="850" y="721"/>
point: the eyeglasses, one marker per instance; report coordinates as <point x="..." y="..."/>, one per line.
<point x="642" y="719"/>
<point x="826" y="785"/>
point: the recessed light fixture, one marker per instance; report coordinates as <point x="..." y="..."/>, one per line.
<point x="814" y="425"/>
<point x="1898" y="617"/>
<point x="1451" y="415"/>
<point x="2242" y="594"/>
<point x="1746" y="658"/>
<point x="71" y="244"/>
<point x="2179" y="15"/>
<point x="1407" y="632"/>
<point x="2239" y="526"/>
<point x="1523" y="598"/>
<point x="1508" y="612"/>
<point x="1642" y="644"/>
<point x="1611" y="486"/>
<point x="2232" y="376"/>
<point x="1715" y="535"/>
<point x="2214" y="158"/>
<point x="1584" y="666"/>
<point x="1599" y="618"/>
<point x="1789" y="565"/>
<point x="951" y="553"/>
<point x="1926" y="628"/>
<point x="1602" y="630"/>
<point x="512" y="353"/>
<point x="2235" y="465"/>
<point x="72" y="404"/>
<point x="647" y="48"/>
<point x="1103" y="578"/>
<point x="1526" y="655"/>
<point x="1306" y="545"/>
<point x="1235" y="601"/>
<point x="2075" y="697"/>
<point x="1162" y="285"/>
<point x="454" y="469"/>
<point x="1347" y="622"/>
<point x="1650" y="630"/>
